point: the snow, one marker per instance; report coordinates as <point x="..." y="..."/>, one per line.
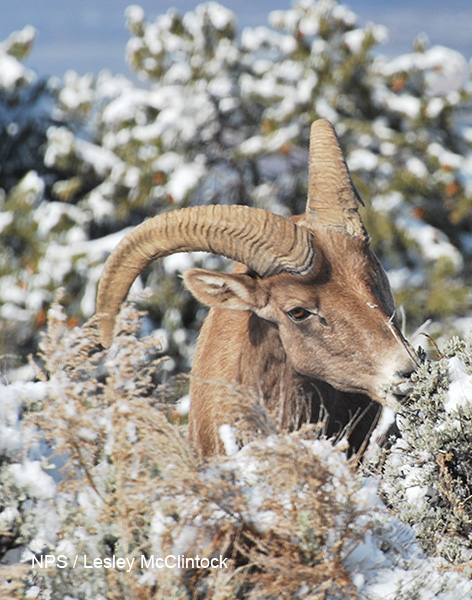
<point x="228" y="437"/>
<point x="407" y="105"/>
<point x="459" y="393"/>
<point x="10" y="434"/>
<point x="183" y="405"/>
<point x="220" y="16"/>
<point x="31" y="186"/>
<point x="416" y="166"/>
<point x="125" y="105"/>
<point x="381" y="560"/>
<point x="326" y="111"/>
<point x="173" y="128"/>
<point x="179" y="73"/>
<point x="184" y="179"/>
<point x="341" y="12"/>
<point x="434" y="107"/>
<point x="270" y="143"/>
<point x="6" y="218"/>
<point x="61" y="142"/>
<point x="77" y="92"/>
<point x="355" y="38"/>
<point x="181" y="261"/>
<point x="446" y="69"/>
<point x="12" y="72"/>
<point x="31" y="476"/>
<point x="13" y="398"/>
<point x="446" y="158"/>
<point x="403" y="277"/>
<point x="363" y="159"/>
<point x="135" y="15"/>
<point x="288" y="20"/>
<point x="382" y="554"/>
<point x="8" y="516"/>
<point x="59" y="260"/>
<point x="433" y="242"/>
<point x="102" y="159"/>
<point x="49" y="215"/>
<point x="100" y="207"/>
<point x="258" y="38"/>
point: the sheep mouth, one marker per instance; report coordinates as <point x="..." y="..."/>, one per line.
<point x="402" y="390"/>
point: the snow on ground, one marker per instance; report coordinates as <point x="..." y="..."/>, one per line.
<point x="460" y="389"/>
<point x="382" y="554"/>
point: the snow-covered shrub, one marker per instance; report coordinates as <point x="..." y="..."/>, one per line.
<point x="100" y="469"/>
<point x="427" y="476"/>
<point x="224" y="118"/>
<point x="26" y="106"/>
<point x="30" y="223"/>
<point x="26" y="490"/>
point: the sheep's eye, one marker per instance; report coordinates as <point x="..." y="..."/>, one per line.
<point x="298" y="314"/>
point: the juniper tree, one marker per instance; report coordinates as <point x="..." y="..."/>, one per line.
<point x="223" y="117"/>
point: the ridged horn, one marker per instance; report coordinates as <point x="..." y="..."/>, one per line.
<point x="333" y="200"/>
<point x="267" y="243"/>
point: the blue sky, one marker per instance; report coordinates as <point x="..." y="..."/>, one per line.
<point x="90" y="35"/>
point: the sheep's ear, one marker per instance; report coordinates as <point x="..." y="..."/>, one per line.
<point x="236" y="291"/>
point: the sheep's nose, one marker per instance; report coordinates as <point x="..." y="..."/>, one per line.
<point x="403" y="387"/>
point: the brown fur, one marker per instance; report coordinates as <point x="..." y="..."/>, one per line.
<point x="335" y="362"/>
<point x="309" y="333"/>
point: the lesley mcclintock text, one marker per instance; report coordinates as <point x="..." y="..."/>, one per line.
<point x="171" y="561"/>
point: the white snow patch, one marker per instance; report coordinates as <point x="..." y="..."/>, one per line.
<point x="101" y="159"/>
<point x="445" y="157"/>
<point x="182" y="261"/>
<point x="6" y="219"/>
<point x="134" y="15"/>
<point x="183" y="405"/>
<point x="228" y="437"/>
<point x="416" y="166"/>
<point x="434" y="107"/>
<point x="31" y="187"/>
<point x="184" y="179"/>
<point x="49" y="214"/>
<point x="77" y="91"/>
<point x="361" y="159"/>
<point x="270" y="143"/>
<point x="12" y="72"/>
<point x="459" y="392"/>
<point x="408" y="105"/>
<point x="259" y="38"/>
<point x="388" y="202"/>
<point x="446" y="69"/>
<point x="220" y="16"/>
<point x="433" y="242"/>
<point x="30" y="476"/>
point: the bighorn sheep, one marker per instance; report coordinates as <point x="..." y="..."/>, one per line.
<point x="306" y="321"/>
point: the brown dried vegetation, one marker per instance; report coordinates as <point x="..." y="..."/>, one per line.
<point x="127" y="466"/>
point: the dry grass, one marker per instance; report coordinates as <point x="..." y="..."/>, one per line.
<point x="132" y="486"/>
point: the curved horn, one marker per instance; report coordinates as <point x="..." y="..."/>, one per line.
<point x="333" y="200"/>
<point x="265" y="242"/>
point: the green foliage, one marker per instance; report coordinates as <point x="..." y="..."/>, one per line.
<point x="26" y="111"/>
<point x="427" y="474"/>
<point x="224" y="118"/>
